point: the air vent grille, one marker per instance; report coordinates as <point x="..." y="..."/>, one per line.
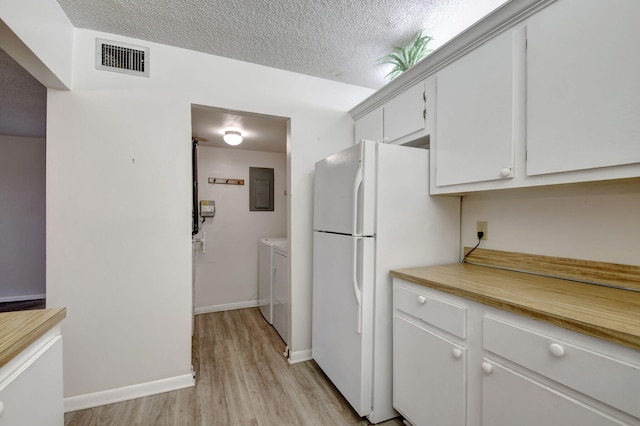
<point x="121" y="57"/>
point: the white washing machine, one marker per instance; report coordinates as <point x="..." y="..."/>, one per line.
<point x="265" y="276"/>
<point x="280" y="298"/>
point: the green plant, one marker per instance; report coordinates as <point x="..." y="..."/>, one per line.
<point x="403" y="58"/>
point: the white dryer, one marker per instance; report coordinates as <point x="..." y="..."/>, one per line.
<point x="265" y="276"/>
<point x="280" y="294"/>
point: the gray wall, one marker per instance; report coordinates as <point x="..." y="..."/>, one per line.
<point x="22" y="218"/>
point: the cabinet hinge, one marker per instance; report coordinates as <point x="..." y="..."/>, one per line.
<point x="424" y="96"/>
<point x="424" y="113"/>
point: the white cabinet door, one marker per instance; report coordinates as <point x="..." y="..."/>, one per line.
<point x="32" y="395"/>
<point x="429" y="376"/>
<point x="583" y="90"/>
<point x="369" y="126"/>
<point x="404" y="115"/>
<point x="510" y="398"/>
<point x="476" y="109"/>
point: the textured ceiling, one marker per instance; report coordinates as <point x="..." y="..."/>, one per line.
<point x="259" y="132"/>
<point x="340" y="40"/>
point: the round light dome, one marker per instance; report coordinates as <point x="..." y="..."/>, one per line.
<point x="232" y="137"/>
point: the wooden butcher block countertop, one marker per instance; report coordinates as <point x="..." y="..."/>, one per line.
<point x="605" y="312"/>
<point x="19" y="329"/>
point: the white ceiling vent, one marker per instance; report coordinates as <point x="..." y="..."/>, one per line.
<point x="122" y="57"/>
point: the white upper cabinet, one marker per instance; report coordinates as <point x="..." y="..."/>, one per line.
<point x="405" y="115"/>
<point x="476" y="107"/>
<point x="369" y="126"/>
<point x="583" y="86"/>
<point x="540" y="92"/>
<point x="401" y="120"/>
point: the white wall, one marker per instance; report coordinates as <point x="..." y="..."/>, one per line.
<point x="22" y="218"/>
<point x="118" y="236"/>
<point x="593" y="222"/>
<point x="118" y="191"/>
<point x="227" y="273"/>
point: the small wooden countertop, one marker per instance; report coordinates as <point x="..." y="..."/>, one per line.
<point x="19" y="329"/>
<point x="603" y="312"/>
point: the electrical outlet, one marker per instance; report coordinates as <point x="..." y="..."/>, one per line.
<point x="483" y="226"/>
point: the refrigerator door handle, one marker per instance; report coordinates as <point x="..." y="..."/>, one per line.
<point x="357" y="182"/>
<point x="356" y="287"/>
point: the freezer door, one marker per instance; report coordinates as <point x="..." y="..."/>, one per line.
<point x="344" y="191"/>
<point x="342" y="328"/>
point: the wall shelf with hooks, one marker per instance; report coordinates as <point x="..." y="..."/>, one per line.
<point x="226" y="181"/>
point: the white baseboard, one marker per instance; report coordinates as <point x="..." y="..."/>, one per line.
<point x="300" y="356"/>
<point x="22" y="298"/>
<point x="225" y="307"/>
<point x="110" y="396"/>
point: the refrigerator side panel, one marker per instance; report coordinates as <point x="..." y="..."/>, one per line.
<point x="412" y="229"/>
<point x="342" y="327"/>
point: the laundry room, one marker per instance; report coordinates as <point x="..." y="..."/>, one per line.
<point x="241" y="198"/>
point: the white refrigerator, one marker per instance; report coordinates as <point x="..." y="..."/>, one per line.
<point x="372" y="213"/>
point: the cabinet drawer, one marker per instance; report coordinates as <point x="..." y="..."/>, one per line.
<point x="439" y="313"/>
<point x="609" y="380"/>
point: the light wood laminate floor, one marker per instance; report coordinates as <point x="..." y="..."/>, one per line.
<point x="242" y="378"/>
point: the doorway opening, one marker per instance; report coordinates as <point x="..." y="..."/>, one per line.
<point x="226" y="246"/>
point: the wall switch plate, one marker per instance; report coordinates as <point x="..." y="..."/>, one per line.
<point x="483" y="226"/>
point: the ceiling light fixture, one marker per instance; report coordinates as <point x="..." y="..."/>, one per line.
<point x="232" y="137"/>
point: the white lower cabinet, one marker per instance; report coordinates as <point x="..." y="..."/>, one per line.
<point x="502" y="369"/>
<point x="422" y="357"/>
<point x="510" y="398"/>
<point x="31" y="386"/>
<point x="429" y="370"/>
